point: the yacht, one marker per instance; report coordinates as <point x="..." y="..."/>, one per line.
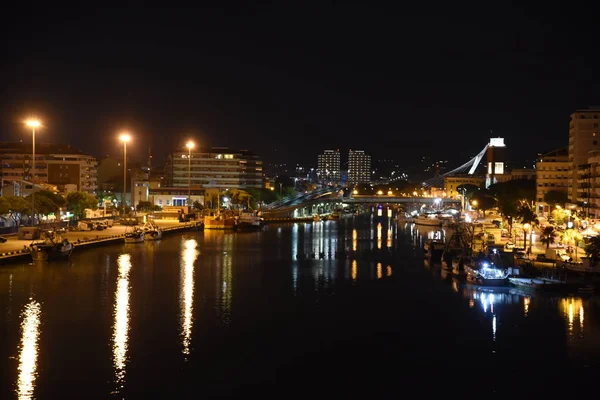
<point x="428" y="219"/>
<point x="484" y="272"/>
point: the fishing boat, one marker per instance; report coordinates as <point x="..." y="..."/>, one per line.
<point x="484" y="272"/>
<point x="459" y="263"/>
<point x="137" y="235"/>
<point x="53" y="247"/>
<point x="219" y="221"/>
<point x="248" y="221"/>
<point x="152" y="233"/>
<point x="428" y="219"/>
<point x="542" y="284"/>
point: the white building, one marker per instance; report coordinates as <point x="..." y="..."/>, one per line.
<point x="328" y="167"/>
<point x="359" y="167"/>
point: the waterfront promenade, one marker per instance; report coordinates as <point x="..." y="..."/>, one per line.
<point x="14" y="248"/>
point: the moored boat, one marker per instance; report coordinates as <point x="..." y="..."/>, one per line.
<point x="428" y="219"/>
<point x="537" y="283"/>
<point x="248" y="221"/>
<point x="135" y="236"/>
<point x="51" y="248"/>
<point x="485" y="272"/>
<point x="219" y="222"/>
<point x="433" y="249"/>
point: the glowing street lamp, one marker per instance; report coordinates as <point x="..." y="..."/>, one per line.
<point x="33" y="123"/>
<point x="124" y="138"/>
<point x="190" y="146"/>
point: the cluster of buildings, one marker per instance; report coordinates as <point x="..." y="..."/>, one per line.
<point x="573" y="170"/>
<point x="329" y="170"/>
<point x="187" y="175"/>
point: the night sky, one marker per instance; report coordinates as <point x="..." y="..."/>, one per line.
<point x="287" y="81"/>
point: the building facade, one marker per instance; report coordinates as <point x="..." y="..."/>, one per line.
<point x="495" y="155"/>
<point x="552" y="174"/>
<point x="328" y="167"/>
<point x="583" y="137"/>
<point x="56" y="165"/>
<point x="220" y="167"/>
<point x="359" y="167"/>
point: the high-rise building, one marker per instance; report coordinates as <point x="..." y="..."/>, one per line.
<point x="552" y="174"/>
<point x="57" y="165"/>
<point x="584" y="133"/>
<point x="359" y="167"/>
<point x="219" y="167"/>
<point x="328" y="167"/>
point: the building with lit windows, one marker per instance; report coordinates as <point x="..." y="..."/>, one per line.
<point x="55" y="165"/>
<point x="359" y="167"/>
<point x="495" y="161"/>
<point x="584" y="132"/>
<point x="552" y="174"/>
<point x="219" y="167"/>
<point x="328" y="167"/>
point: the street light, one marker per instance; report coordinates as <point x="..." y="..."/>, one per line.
<point x="190" y="146"/>
<point x="33" y="123"/>
<point x="124" y="138"/>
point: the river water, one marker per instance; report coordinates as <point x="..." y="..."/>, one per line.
<point x="221" y="314"/>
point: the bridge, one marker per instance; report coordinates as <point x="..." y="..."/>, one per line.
<point x="327" y="199"/>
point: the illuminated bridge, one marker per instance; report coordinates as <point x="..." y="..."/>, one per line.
<point x="467" y="168"/>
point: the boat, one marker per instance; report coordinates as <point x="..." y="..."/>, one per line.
<point x="53" y="247"/>
<point x="219" y="221"/>
<point x="484" y="272"/>
<point x="137" y="235"/>
<point x="542" y="284"/>
<point x="152" y="231"/>
<point x="248" y="221"/>
<point x="433" y="249"/>
<point x="428" y="219"/>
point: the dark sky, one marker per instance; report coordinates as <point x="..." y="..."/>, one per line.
<point x="287" y="81"/>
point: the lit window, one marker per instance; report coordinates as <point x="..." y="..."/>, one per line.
<point x="499" y="168"/>
<point x="490" y="168"/>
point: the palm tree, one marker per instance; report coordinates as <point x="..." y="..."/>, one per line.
<point x="527" y="216"/>
<point x="592" y="249"/>
<point x="548" y="236"/>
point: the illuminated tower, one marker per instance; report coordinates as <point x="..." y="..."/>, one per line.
<point x="495" y="160"/>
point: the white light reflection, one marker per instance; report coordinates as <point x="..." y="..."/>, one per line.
<point x="389" y="237"/>
<point x="581" y="317"/>
<point x="186" y="297"/>
<point x="494" y="328"/>
<point x="526" y="301"/>
<point x="28" y="355"/>
<point x="121" y="322"/>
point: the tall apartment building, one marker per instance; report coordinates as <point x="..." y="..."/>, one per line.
<point x="584" y="134"/>
<point x="359" y="167"/>
<point x="219" y="167"/>
<point x="495" y="161"/>
<point x="328" y="167"/>
<point x="56" y="165"/>
<point x="552" y="174"/>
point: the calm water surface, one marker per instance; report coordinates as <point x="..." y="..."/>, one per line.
<point x="218" y="314"/>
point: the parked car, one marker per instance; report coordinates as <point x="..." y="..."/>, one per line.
<point x="3" y="239"/>
<point x="510" y="245"/>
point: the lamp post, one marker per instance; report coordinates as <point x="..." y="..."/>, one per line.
<point x="33" y="123"/>
<point x="525" y="229"/>
<point x="190" y="146"/>
<point x="124" y="138"/>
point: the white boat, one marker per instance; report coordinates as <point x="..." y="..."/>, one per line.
<point x="248" y="220"/>
<point x="152" y="231"/>
<point x="485" y="272"/>
<point x="537" y="283"/>
<point x="428" y="219"/>
<point x="135" y="236"/>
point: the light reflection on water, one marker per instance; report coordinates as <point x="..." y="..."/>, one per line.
<point x="121" y="321"/>
<point x="28" y="355"/>
<point x="186" y="297"/>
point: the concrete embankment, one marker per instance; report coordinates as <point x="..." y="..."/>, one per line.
<point x="15" y="250"/>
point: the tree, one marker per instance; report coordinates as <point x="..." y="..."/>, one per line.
<point x="572" y="236"/>
<point x="14" y="206"/>
<point x="47" y="202"/>
<point x="515" y="190"/>
<point x="548" y="236"/>
<point x="592" y="249"/>
<point x="484" y="201"/>
<point x="555" y="197"/>
<point x="144" y="206"/>
<point x="197" y="205"/>
<point x="77" y="202"/>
